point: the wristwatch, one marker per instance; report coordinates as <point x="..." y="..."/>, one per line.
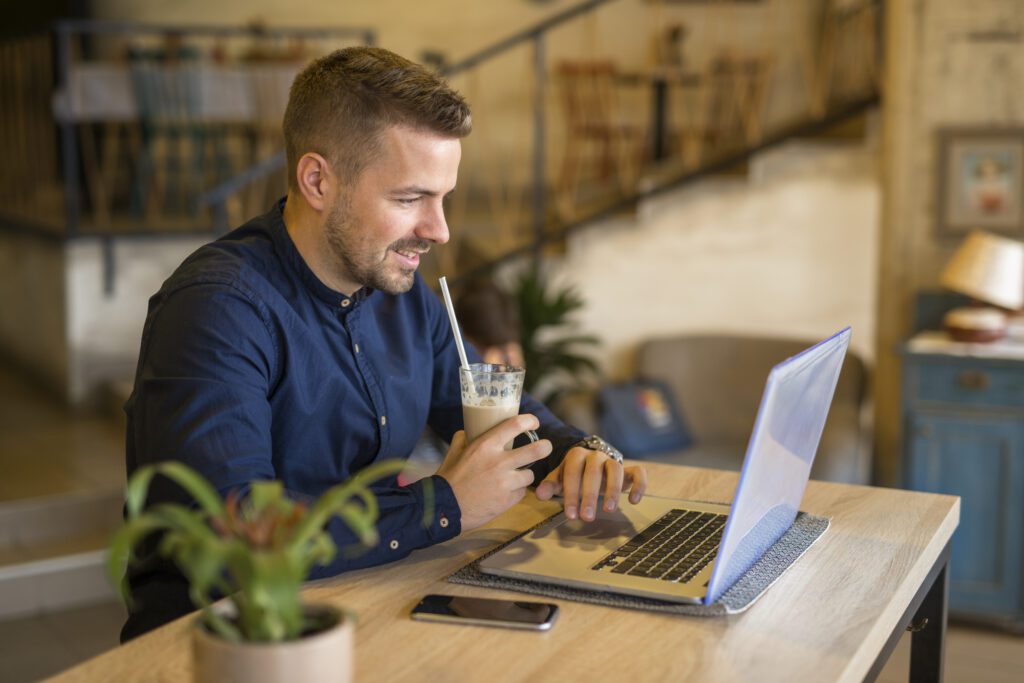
<point x="596" y="443"/>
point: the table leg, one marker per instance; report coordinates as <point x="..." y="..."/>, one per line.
<point x="928" y="641"/>
<point x="925" y="617"/>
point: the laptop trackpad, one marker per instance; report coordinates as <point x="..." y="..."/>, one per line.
<point x="587" y="541"/>
<point x="609" y="530"/>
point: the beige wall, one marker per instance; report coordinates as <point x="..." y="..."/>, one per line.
<point x="789" y="252"/>
<point x="950" y="63"/>
<point x="104" y="328"/>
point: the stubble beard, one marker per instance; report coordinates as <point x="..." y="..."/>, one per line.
<point x="356" y="255"/>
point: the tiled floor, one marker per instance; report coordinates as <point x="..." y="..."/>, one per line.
<point x="36" y="647"/>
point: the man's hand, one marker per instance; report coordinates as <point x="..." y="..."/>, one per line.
<point x="486" y="478"/>
<point x="586" y="472"/>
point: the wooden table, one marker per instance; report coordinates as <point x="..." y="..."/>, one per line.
<point x="834" y="616"/>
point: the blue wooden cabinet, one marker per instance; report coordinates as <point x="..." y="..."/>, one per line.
<point x="964" y="435"/>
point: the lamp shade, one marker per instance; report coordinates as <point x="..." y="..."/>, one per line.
<point x="988" y="268"/>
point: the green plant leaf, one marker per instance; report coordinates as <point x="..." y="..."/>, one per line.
<point x="273" y="610"/>
<point x="337" y="498"/>
<point x="194" y="484"/>
<point x="264" y="494"/>
<point x="138" y="487"/>
<point x="552" y="350"/>
<point x="122" y="544"/>
<point x="221" y="626"/>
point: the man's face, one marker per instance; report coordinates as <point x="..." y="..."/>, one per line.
<point x="392" y="213"/>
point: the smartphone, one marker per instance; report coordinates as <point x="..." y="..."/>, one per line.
<point x="533" y="616"/>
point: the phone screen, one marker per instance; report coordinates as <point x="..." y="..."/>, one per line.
<point x="485" y="611"/>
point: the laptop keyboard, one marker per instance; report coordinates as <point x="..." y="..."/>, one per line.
<point x="674" y="548"/>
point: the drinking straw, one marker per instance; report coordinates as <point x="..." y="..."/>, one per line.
<point x="455" y="323"/>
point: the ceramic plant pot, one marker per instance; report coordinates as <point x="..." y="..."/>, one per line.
<point x="324" y="655"/>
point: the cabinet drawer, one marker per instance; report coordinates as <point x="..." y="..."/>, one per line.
<point x="964" y="383"/>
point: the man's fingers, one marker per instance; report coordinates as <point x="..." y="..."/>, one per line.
<point x="550" y="486"/>
<point x="593" y="473"/>
<point x="458" y="442"/>
<point x="572" y="474"/>
<point x="455" y="449"/>
<point x="526" y="455"/>
<point x="614" y="475"/>
<point x="523" y="478"/>
<point x="639" y="475"/>
<point x="507" y="430"/>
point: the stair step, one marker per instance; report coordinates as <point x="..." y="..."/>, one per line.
<point x="41" y="520"/>
<point x="53" y="551"/>
<point x="54" y="583"/>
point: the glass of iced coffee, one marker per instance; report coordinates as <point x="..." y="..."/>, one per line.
<point x="490" y="394"/>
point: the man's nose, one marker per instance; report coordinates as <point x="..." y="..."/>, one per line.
<point x="434" y="226"/>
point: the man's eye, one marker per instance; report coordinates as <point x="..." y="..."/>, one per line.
<point x="408" y="200"/>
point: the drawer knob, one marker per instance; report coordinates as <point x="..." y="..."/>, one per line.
<point x="972" y="379"/>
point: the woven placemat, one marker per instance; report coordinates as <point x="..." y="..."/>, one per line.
<point x="748" y="588"/>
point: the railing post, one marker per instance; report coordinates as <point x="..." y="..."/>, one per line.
<point x="69" y="150"/>
<point x="539" y="82"/>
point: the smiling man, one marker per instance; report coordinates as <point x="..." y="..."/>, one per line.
<point x="303" y="346"/>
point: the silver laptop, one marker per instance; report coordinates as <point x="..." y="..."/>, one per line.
<point x="685" y="551"/>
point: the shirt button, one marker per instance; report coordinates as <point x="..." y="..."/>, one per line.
<point x="393" y="545"/>
<point x="383" y="420"/>
<point x="357" y="348"/>
<point x="444" y="522"/>
<point x="345" y="303"/>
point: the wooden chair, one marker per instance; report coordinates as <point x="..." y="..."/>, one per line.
<point x="726" y="109"/>
<point x="600" y="145"/>
<point x="171" y="166"/>
<point x="847" y="55"/>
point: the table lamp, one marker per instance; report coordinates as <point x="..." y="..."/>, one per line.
<point x="990" y="270"/>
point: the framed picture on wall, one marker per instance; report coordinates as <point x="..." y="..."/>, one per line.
<point x="981" y="181"/>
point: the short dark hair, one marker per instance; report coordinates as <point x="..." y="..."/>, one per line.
<point x="340" y="104"/>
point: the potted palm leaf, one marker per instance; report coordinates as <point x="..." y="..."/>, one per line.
<point x="257" y="550"/>
<point x="558" y="358"/>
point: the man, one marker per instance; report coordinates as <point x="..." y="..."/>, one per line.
<point x="303" y="346"/>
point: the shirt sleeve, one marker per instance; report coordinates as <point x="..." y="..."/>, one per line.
<point x="411" y="517"/>
<point x="202" y="387"/>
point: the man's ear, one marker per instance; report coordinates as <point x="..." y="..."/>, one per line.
<point x="315" y="179"/>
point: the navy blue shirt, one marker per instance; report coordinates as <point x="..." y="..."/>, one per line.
<point x="252" y="368"/>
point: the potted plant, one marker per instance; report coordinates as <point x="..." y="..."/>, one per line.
<point x="558" y="359"/>
<point x="257" y="550"/>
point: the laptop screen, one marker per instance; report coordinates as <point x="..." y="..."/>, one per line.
<point x="782" y="446"/>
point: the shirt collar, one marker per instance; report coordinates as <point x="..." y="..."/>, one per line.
<point x="291" y="256"/>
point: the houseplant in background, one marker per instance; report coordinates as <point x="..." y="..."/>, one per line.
<point x="557" y="358"/>
<point x="257" y="550"/>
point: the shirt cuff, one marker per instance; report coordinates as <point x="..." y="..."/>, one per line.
<point x="442" y="516"/>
